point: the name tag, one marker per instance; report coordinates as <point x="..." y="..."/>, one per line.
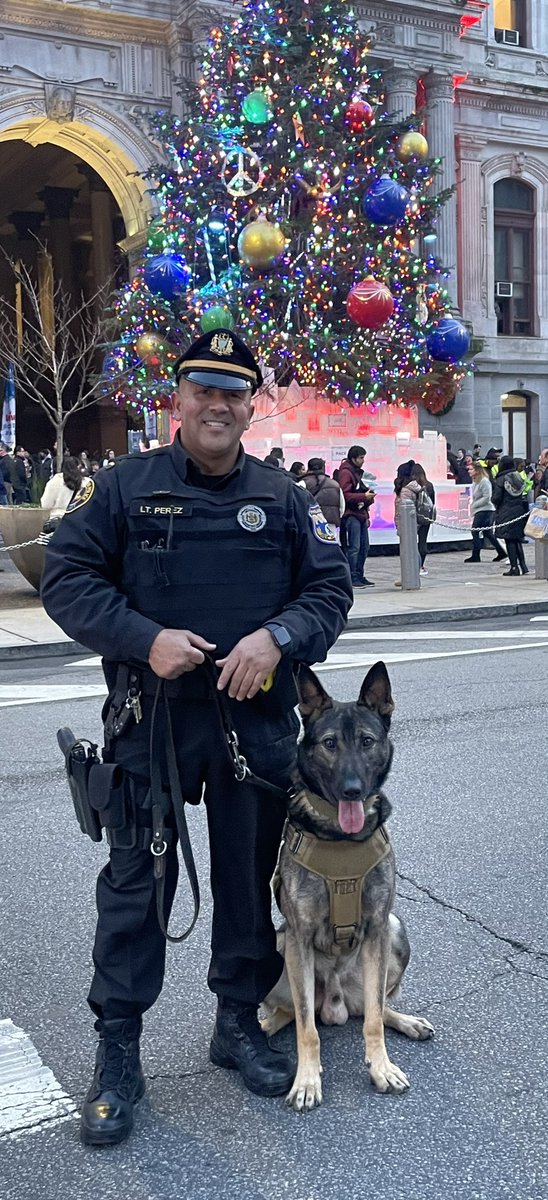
<point x="160" y="508"/>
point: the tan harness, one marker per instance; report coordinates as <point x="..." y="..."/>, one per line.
<point x="343" y="866"/>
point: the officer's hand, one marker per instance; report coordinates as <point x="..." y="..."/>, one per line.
<point x="175" y="651"/>
<point x="248" y="665"/>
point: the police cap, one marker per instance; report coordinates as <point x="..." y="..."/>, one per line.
<point x="220" y="359"/>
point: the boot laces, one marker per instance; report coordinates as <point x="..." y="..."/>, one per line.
<point x="111" y="1064"/>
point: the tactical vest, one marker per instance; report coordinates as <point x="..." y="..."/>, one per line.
<point x="217" y="562"/>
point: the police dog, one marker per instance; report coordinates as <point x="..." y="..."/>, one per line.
<point x="344" y="757"/>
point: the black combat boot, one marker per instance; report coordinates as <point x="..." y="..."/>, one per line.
<point x="107" y="1115"/>
<point x="239" y="1042"/>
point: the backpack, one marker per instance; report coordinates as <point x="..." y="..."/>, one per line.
<point x="426" y="509"/>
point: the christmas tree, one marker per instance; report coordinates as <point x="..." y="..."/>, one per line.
<point x="294" y="209"/>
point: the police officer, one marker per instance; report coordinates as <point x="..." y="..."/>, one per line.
<point x="194" y="549"/>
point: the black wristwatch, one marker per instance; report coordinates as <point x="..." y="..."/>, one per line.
<point x="280" y="635"/>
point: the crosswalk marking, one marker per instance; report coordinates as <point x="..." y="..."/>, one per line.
<point x="42" y="693"/>
<point x="29" y="1092"/>
<point x="367" y="660"/>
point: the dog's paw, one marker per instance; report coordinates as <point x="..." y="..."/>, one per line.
<point x="417" y="1028"/>
<point x="387" y="1077"/>
<point x="306" y="1092"/>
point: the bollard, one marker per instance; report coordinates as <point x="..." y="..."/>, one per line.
<point x="409" y="551"/>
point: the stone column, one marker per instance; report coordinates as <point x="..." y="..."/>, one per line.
<point x="101" y="231"/>
<point x="472" y="238"/>
<point x="441" y="139"/>
<point x="401" y="91"/>
<point x="58" y="202"/>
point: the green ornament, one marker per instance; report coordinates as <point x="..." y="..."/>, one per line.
<point x="216" y="317"/>
<point x="156" y="235"/>
<point x="256" y="108"/>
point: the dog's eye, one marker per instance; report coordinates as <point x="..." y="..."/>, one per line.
<point x="367" y="741"/>
<point x="330" y="743"/>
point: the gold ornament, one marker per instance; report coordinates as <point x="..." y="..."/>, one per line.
<point x="412" y="145"/>
<point x="261" y="242"/>
<point x="150" y="346"/>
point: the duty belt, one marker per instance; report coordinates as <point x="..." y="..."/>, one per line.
<point x="342" y="864"/>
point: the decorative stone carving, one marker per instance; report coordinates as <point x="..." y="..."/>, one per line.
<point x="60" y="102"/>
<point x="518" y="163"/>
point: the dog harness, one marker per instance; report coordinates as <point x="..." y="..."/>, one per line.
<point x="343" y="865"/>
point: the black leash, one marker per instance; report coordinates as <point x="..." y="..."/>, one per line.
<point x="160" y="801"/>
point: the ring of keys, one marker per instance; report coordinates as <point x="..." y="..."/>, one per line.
<point x="249" y="174"/>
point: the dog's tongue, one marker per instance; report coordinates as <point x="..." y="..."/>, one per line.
<point x="351" y="816"/>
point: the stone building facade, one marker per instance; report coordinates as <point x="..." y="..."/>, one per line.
<point x="82" y="77"/>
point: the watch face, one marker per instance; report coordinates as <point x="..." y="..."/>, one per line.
<point x="281" y="636"/>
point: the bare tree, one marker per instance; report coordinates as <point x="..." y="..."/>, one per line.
<point x="53" y="340"/>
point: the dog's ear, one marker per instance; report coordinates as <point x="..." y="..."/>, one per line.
<point x="376" y="693"/>
<point x="313" y="699"/>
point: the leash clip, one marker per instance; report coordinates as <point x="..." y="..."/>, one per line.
<point x="241" y="769"/>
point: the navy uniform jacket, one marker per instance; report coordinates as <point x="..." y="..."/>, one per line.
<point x="145" y="547"/>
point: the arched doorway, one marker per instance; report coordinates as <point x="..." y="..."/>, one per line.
<point x="79" y="190"/>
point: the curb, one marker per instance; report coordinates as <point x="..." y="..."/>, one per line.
<point x="43" y="650"/>
<point x="431" y="616"/>
<point x="426" y="616"/>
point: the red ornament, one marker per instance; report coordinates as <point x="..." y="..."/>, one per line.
<point x="370" y="303"/>
<point x="359" y="115"/>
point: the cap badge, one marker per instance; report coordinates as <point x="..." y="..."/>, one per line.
<point x="252" y="518"/>
<point x="222" y="344"/>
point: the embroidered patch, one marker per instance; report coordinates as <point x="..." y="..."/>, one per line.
<point x="83" y="496"/>
<point x="222" y="345"/>
<point x="323" y="531"/>
<point x="251" y="517"/>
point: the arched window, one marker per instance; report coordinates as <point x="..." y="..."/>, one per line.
<point x="514" y="258"/>
<point x="515" y="425"/>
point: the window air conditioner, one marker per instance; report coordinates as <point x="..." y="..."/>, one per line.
<point x="508" y="37"/>
<point x="504" y="290"/>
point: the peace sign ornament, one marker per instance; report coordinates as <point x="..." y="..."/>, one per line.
<point x="242" y="172"/>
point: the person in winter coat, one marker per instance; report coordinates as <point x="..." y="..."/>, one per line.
<point x="325" y="491"/>
<point x="355" y="522"/>
<point x="510" y="504"/>
<point x="418" y="474"/>
<point x="297" y="471"/>
<point x="405" y="488"/>
<point x="59" y="490"/>
<point x="482" y="512"/>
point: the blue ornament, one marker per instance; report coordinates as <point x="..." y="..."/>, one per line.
<point x="385" y="201"/>
<point x="111" y="364"/>
<point x="167" y="275"/>
<point x="448" y="340"/>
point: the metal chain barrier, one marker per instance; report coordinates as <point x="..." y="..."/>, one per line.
<point x="494" y="528"/>
<point x="37" y="541"/>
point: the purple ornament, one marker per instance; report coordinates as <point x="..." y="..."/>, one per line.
<point x="167" y="275"/>
<point x="448" y="340"/>
<point x="385" y="201"/>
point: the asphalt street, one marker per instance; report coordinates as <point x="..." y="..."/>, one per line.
<point x="468" y="788"/>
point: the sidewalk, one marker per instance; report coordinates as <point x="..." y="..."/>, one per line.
<point x="452" y="591"/>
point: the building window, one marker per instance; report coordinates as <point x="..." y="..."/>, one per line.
<point x="510" y="22"/>
<point x="514" y="258"/>
<point x="515" y="425"/>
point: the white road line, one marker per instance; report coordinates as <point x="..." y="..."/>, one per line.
<point x="538" y="618"/>
<point x="14" y="694"/>
<point x="85" y="662"/>
<point x="444" y="635"/>
<point x="366" y="660"/>
<point x="30" y="1095"/>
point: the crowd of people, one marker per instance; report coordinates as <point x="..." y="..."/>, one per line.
<point x="502" y="491"/>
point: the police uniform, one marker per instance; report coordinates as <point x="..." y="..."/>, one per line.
<point x="156" y="544"/>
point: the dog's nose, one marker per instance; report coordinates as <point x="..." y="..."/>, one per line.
<point x="353" y="790"/>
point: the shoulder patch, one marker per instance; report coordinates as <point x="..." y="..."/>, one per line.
<point x="321" y="528"/>
<point x="83" y="496"/>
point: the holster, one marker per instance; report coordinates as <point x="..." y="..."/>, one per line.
<point x="80" y="758"/>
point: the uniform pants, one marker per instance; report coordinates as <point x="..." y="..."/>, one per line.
<point x="245" y="825"/>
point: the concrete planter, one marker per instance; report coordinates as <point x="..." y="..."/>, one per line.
<point x="20" y="524"/>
